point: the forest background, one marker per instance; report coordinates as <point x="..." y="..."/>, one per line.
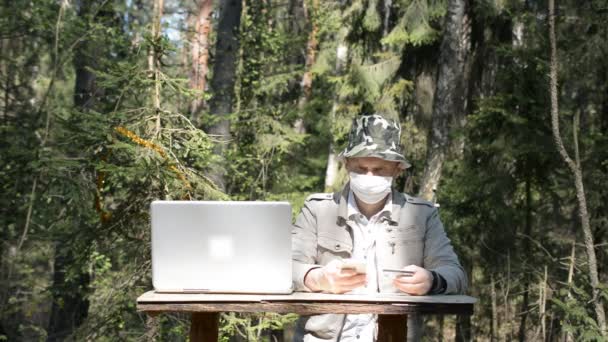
<point x="106" y="105"/>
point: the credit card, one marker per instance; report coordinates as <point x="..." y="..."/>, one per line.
<point x="398" y="273"/>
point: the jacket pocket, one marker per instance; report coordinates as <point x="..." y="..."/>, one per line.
<point x="402" y="246"/>
<point x="408" y="232"/>
<point x="330" y="248"/>
<point x="326" y="326"/>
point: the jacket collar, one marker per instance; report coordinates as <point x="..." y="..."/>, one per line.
<point x="342" y="198"/>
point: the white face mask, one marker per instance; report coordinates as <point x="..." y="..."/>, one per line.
<point x="370" y="189"/>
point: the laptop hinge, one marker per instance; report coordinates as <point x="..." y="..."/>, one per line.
<point x="195" y="290"/>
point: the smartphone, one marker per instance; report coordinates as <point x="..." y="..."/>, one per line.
<point x="355" y="265"/>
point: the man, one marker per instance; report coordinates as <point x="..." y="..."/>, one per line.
<point x="370" y="224"/>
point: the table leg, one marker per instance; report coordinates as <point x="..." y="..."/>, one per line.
<point x="392" y="328"/>
<point x="204" y="327"/>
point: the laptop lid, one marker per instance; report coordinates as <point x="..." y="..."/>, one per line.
<point x="223" y="247"/>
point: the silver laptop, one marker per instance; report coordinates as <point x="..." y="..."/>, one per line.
<point x="221" y="247"/>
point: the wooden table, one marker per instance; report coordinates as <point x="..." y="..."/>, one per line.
<point x="392" y="310"/>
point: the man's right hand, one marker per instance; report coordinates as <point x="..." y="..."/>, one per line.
<point x="332" y="278"/>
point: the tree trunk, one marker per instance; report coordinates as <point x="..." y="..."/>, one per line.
<point x="567" y="336"/>
<point x="311" y="48"/>
<point x="526" y="248"/>
<point x="154" y="60"/>
<point x="487" y="36"/>
<point x="464" y="331"/>
<point x="222" y="84"/>
<point x="543" y="305"/>
<point x="508" y="320"/>
<point x="7" y="47"/>
<point x="200" y="56"/>
<point x="387" y="15"/>
<point x="331" y="173"/>
<point x="494" y="326"/>
<point x="576" y="170"/>
<point x="449" y="97"/>
<point x="425" y="87"/>
<point x="333" y="168"/>
<point x="311" y="55"/>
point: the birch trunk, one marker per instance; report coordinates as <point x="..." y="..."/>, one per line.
<point x="222" y="84"/>
<point x="543" y="306"/>
<point x="576" y="170"/>
<point x="494" y="332"/>
<point x="449" y="97"/>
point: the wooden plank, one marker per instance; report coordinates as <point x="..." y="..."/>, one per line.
<point x="392" y="328"/>
<point x="204" y="327"/>
<point x="310" y="308"/>
<point x="155" y="297"/>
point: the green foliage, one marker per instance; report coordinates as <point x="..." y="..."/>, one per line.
<point x="414" y="26"/>
<point x="97" y="170"/>
<point x="578" y="316"/>
<point x="508" y="147"/>
<point x="251" y="327"/>
<point x="264" y="138"/>
<point x="77" y="180"/>
<point x="371" y="20"/>
<point x="372" y="77"/>
<point x="374" y="80"/>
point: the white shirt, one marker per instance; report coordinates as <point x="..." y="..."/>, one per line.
<point x="363" y="327"/>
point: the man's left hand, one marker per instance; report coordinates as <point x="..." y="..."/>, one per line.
<point x="418" y="284"/>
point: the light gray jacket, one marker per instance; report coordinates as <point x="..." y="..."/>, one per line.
<point x="413" y="234"/>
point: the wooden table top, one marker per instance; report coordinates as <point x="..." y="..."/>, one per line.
<point x="305" y="303"/>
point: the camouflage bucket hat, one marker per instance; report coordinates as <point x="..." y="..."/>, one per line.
<point x="375" y="136"/>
